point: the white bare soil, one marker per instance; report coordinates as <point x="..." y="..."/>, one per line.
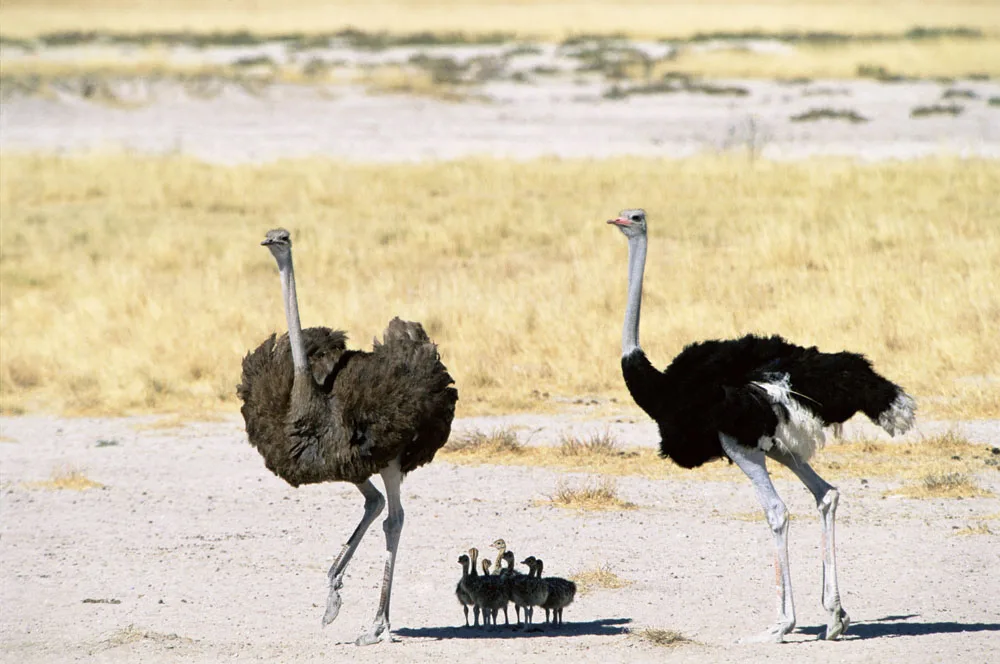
<point x="505" y="104"/>
<point x="192" y="551"/>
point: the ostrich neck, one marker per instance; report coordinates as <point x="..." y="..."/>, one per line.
<point x="636" y="265"/>
<point x="499" y="562"/>
<point x="292" y="315"/>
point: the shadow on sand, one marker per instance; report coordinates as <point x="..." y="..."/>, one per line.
<point x="605" y="627"/>
<point x="894" y="626"/>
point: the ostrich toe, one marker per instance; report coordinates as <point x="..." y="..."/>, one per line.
<point x="333" y="600"/>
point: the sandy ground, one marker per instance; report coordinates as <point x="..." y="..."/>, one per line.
<point x="195" y="553"/>
<point x="520" y="122"/>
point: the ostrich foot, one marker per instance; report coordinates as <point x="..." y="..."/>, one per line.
<point x="839" y="622"/>
<point x="333" y="600"/>
<point x="378" y="632"/>
<point x="773" y="634"/>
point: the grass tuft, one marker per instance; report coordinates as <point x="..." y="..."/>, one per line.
<point x="481" y="444"/>
<point x="663" y="637"/>
<point x="600" y="578"/>
<point x="597" y="444"/>
<point x="978" y="529"/>
<point x="601" y="495"/>
<point x="66" y="480"/>
<point x="936" y="109"/>
<point x="943" y="485"/>
<point x="815" y="114"/>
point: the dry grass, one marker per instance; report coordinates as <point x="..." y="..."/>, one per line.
<point x="177" y="421"/>
<point x="934" y="456"/>
<point x="595" y="495"/>
<point x="600" y="578"/>
<point x="598" y="444"/>
<point x="66" y="479"/>
<point x="132" y="634"/>
<point x="483" y="446"/>
<point x="551" y="19"/>
<point x="663" y="637"/>
<point x="943" y="485"/>
<point x="978" y="529"/>
<point x="136" y="284"/>
<point x="910" y="59"/>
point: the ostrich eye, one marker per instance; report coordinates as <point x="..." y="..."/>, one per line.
<point x="635" y="217"/>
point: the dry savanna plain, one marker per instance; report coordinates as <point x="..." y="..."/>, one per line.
<point x="823" y="170"/>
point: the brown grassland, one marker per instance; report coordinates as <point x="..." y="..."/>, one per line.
<point x="136" y="284"/>
<point x="550" y="19"/>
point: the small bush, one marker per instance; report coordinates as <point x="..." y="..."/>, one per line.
<point x="829" y="114"/>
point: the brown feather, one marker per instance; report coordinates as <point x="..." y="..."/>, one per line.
<point x="360" y="411"/>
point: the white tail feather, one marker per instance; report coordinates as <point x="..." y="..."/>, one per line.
<point x="899" y="416"/>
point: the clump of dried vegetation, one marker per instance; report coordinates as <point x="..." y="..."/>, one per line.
<point x="978" y="529"/>
<point x="484" y="445"/>
<point x="943" y="485"/>
<point x="68" y="479"/>
<point x="599" y="578"/>
<point x="595" y="495"/>
<point x="156" y="262"/>
<point x="597" y="444"/>
<point x="663" y="637"/>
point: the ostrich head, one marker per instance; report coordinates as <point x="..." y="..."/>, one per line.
<point x="529" y="561"/>
<point x="631" y="222"/>
<point x="508" y="557"/>
<point x="463" y="560"/>
<point x="279" y="241"/>
<point x="500" y="545"/>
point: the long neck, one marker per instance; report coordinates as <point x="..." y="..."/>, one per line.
<point x="474" y="557"/>
<point x="499" y="561"/>
<point x="636" y="265"/>
<point x="538" y="569"/>
<point x="292" y="314"/>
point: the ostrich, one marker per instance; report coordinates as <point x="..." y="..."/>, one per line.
<point x="529" y="590"/>
<point x="501" y="546"/>
<point x="488" y="591"/>
<point x="461" y="590"/>
<point x="752" y="398"/>
<point x="561" y="594"/>
<point x="318" y="412"/>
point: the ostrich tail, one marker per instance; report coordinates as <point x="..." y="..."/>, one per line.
<point x="899" y="416"/>
<point x="403" y="331"/>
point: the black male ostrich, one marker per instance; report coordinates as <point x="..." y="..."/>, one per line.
<point x="750" y="398"/>
<point x="320" y="413"/>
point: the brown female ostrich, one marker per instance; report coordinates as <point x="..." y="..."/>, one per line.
<point x="318" y="412"/>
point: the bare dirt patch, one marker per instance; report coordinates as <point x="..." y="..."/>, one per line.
<point x="193" y="551"/>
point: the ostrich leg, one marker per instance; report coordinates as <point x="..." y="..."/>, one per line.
<point x="393" y="526"/>
<point x="374" y="503"/>
<point x="752" y="462"/>
<point x="826" y="497"/>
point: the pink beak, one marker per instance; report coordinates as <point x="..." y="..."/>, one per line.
<point x="620" y="221"/>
